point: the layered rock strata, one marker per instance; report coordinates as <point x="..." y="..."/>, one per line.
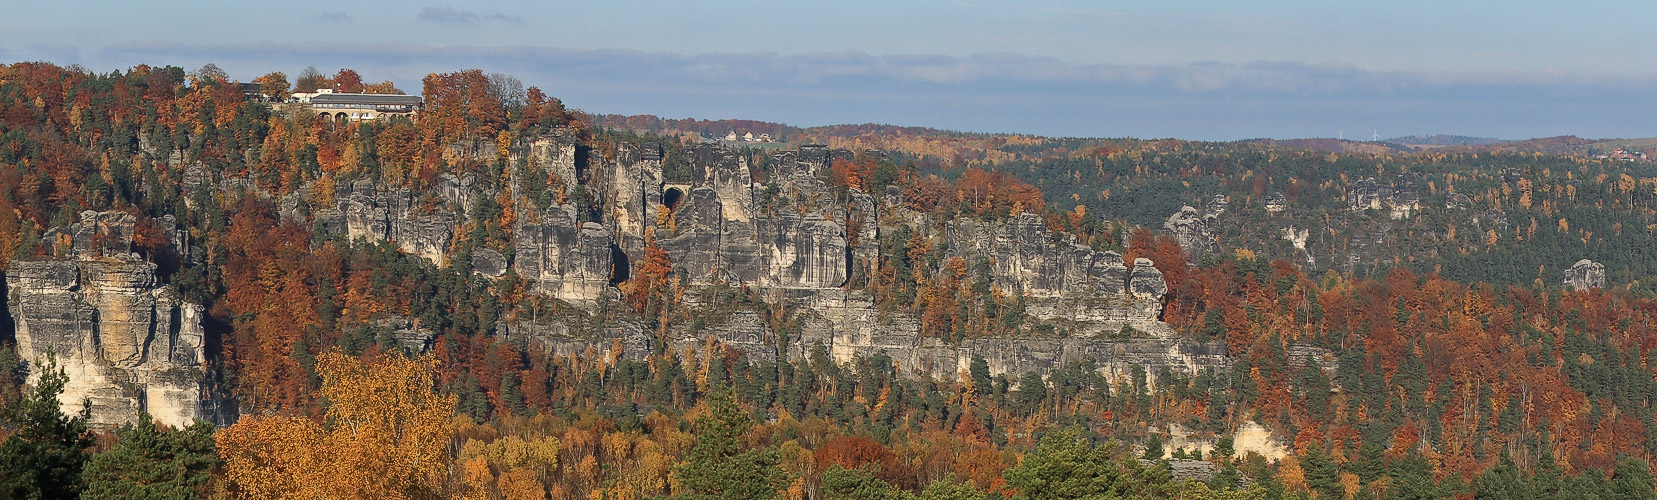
<point x="128" y="344"/>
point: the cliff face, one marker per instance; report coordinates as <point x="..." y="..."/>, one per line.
<point x="128" y="344"/>
<point x="847" y="326"/>
<point x="376" y="214"/>
<point x="718" y="231"/>
<point x="1402" y="198"/>
<point x="794" y="239"/>
<point x="570" y="260"/>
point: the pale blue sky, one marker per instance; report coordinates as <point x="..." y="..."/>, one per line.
<point x="1208" y="70"/>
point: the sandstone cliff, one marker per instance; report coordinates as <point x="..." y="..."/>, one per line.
<point x="1194" y="230"/>
<point x="1402" y="198"/>
<point x="128" y="344"/>
<point x="793" y="239"/>
<point x="771" y="227"/>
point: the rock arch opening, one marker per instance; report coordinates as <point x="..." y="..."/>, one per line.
<point x="672" y="197"/>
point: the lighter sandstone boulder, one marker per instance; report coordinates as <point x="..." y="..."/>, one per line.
<point x="1585" y="275"/>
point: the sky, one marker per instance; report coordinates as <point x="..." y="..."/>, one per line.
<point x="1213" y="70"/>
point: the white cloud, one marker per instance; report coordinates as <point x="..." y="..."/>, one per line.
<point x="449" y="15"/>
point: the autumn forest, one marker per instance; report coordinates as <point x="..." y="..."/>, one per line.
<point x="1427" y="351"/>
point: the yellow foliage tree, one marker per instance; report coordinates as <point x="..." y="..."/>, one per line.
<point x="515" y="467"/>
<point x="386" y="437"/>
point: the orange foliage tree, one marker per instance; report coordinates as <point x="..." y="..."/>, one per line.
<point x="979" y="191"/>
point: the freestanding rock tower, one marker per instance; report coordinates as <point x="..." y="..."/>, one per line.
<point x="128" y="344"/>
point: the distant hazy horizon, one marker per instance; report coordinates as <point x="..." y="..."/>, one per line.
<point x="1292" y="69"/>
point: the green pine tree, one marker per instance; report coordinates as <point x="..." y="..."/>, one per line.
<point x="717" y="466"/>
<point x="950" y="488"/>
<point x="859" y="484"/>
<point x="46" y="450"/>
<point x="1632" y="479"/>
<point x="1066" y="464"/>
<point x="149" y="462"/>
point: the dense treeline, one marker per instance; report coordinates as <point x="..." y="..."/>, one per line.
<point x="1434" y="386"/>
<point x="1517" y="219"/>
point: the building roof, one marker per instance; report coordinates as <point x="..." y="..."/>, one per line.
<point x="366" y="99"/>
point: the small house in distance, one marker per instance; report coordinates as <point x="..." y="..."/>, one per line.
<point x="1622" y="154"/>
<point x="342" y="106"/>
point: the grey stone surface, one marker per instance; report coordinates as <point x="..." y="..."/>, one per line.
<point x="785" y="235"/>
<point x="555" y="153"/>
<point x="569" y="259"/>
<point x="1458" y="201"/>
<point x="375" y="214"/>
<point x="631" y="340"/>
<point x="1194" y="230"/>
<point x="1585" y="275"/>
<point x="410" y="336"/>
<point x="1402" y="198"/>
<point x="97" y="235"/>
<point x="1276" y="202"/>
<point x="742" y="330"/>
<point x="633" y="184"/>
<point x="128" y="344"/>
<point x="488" y="262"/>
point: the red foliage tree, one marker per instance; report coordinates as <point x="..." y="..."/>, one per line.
<point x="347" y="80"/>
<point x="851" y="452"/>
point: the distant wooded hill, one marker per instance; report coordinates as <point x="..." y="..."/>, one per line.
<point x="1444" y="140"/>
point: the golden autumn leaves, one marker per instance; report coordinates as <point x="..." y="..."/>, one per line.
<point x="384" y="435"/>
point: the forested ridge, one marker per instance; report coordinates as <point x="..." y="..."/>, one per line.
<point x="1448" y="363"/>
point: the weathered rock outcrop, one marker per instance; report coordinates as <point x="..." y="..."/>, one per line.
<point x="1402" y="198"/>
<point x="1458" y="201"/>
<point x="1064" y="281"/>
<point x="634" y="184"/>
<point x="1298" y="237"/>
<point x="717" y="234"/>
<point x="1194" y="230"/>
<point x="128" y="344"/>
<point x="791" y="238"/>
<point x="1585" y="275"/>
<point x="409" y="335"/>
<point x="488" y="262"/>
<point x="365" y="211"/>
<point x="1276" y="202"/>
<point x="556" y="153"/>
<point x="571" y="260"/>
<point x="743" y="330"/>
<point x="847" y="326"/>
<point x="557" y="335"/>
